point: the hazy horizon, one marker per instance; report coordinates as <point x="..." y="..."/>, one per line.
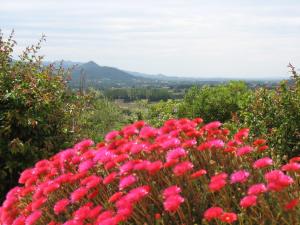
<point x="232" y="39"/>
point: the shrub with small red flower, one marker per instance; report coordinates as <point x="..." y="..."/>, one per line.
<point x="185" y="172"/>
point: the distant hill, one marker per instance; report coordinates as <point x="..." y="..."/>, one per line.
<point x="101" y="76"/>
<point x="108" y="77"/>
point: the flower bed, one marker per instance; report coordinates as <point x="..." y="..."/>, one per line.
<point x="185" y="172"/>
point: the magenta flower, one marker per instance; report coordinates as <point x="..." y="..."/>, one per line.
<point x="175" y="154"/>
<point x="33" y="217"/>
<point x="291" y="167"/>
<point x="260" y="163"/>
<point x="181" y="168"/>
<point x="172" y="203"/>
<point x="127" y="181"/>
<point x="248" y="201"/>
<point x="173" y="190"/>
<point x="244" y="150"/>
<point x="78" y="194"/>
<point x="257" y="189"/>
<point x="239" y="177"/>
<point x="213" y="213"/>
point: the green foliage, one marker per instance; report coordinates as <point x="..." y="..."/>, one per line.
<point x="133" y="94"/>
<point x="98" y="116"/>
<point x="36" y="111"/>
<point x="275" y="114"/>
<point x="214" y="103"/>
<point x="159" y="112"/>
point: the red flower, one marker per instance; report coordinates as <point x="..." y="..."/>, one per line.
<point x="33" y="217"/>
<point x="291" y="167"/>
<point x="115" y="197"/>
<point x="248" y="201"/>
<point x="173" y="190"/>
<point x="292" y="204"/>
<point x="60" y="206"/>
<point x="213" y="213"/>
<point x="260" y="163"/>
<point x="244" y="150"/>
<point x="228" y="217"/>
<point x="172" y="203"/>
<point x="181" y="168"/>
<point x="257" y="189"/>
<point x="154" y="167"/>
<point x="198" y="173"/>
<point x="127" y="181"/>
<point x="78" y="194"/>
<point x="109" y="178"/>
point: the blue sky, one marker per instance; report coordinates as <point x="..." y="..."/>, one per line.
<point x="203" y="38"/>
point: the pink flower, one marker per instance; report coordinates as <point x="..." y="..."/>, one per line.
<point x="111" y="135"/>
<point x="38" y="203"/>
<point x="85" y="165"/>
<point x="241" y="135"/>
<point x="260" y="163"/>
<point x="148" y="132"/>
<point x="78" y="194"/>
<point x="126" y="167"/>
<point x="291" y="167"/>
<point x="60" y="206"/>
<point x="213" y="213"/>
<point x="228" y="217"/>
<point x="172" y="203"/>
<point x="83" y="145"/>
<point x="212" y="125"/>
<point x="138" y="193"/>
<point x="127" y="181"/>
<point x="175" y="154"/>
<point x="181" y="168"/>
<point x="154" y="167"/>
<point x="81" y="213"/>
<point x="244" y="150"/>
<point x="215" y="144"/>
<point x="33" y="217"/>
<point x="170" y="143"/>
<point x="239" y="177"/>
<point x="277" y="180"/>
<point x="248" y="201"/>
<point x="257" y="189"/>
<point x="172" y="190"/>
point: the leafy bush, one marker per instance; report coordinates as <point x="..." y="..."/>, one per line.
<point x="158" y="113"/>
<point x="275" y="114"/>
<point x="214" y="102"/>
<point x="36" y="111"/>
<point x="185" y="172"/>
<point x="98" y="116"/>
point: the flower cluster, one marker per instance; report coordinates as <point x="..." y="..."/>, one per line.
<point x="185" y="172"/>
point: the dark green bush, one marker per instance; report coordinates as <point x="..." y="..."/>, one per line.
<point x="275" y="115"/>
<point x="98" y="116"/>
<point x="213" y="102"/>
<point x="36" y="111"/>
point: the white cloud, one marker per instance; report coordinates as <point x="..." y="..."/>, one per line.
<point x="194" y="37"/>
